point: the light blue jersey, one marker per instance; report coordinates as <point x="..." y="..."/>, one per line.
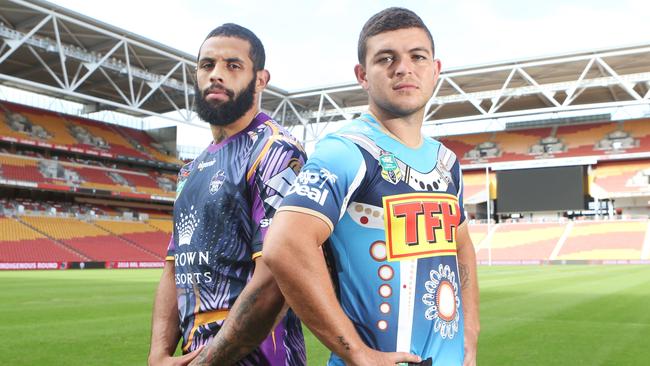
<point x="393" y="212"/>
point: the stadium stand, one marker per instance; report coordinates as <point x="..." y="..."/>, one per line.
<point x="521" y="241"/>
<point x="145" y="236"/>
<point x="591" y="139"/>
<point x="28" y="125"/>
<point x="20" y="243"/>
<point x="621" y="178"/>
<point x="29" y="169"/>
<point x="89" y="239"/>
<point x="605" y="240"/>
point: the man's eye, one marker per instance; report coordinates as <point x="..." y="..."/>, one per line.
<point x="419" y="57"/>
<point x="387" y="59"/>
<point x="234" y="66"/>
<point x="207" y="66"/>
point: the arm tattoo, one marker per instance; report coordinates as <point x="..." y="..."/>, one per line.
<point x="344" y="343"/>
<point x="464" y="275"/>
<point x="244" y="331"/>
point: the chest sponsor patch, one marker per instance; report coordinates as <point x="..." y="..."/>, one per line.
<point x="420" y="225"/>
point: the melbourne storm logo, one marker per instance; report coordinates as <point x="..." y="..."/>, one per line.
<point x="217" y="181"/>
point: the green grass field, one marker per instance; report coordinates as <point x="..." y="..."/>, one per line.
<point x="552" y="315"/>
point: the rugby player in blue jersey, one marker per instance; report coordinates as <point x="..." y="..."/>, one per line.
<point x="215" y="292"/>
<point x="388" y="203"/>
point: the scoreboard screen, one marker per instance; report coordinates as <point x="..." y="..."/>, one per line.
<point x="542" y="189"/>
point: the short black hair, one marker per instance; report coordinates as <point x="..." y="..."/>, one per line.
<point x="389" y="20"/>
<point x="256" y="54"/>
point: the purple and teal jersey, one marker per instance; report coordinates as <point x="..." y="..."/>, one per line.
<point x="225" y="201"/>
<point x="393" y="212"/>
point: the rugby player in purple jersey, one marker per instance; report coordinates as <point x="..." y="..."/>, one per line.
<point x="215" y="292"/>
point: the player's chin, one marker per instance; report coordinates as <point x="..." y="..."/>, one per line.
<point x="406" y="109"/>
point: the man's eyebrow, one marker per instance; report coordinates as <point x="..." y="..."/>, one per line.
<point x="384" y="50"/>
<point x="233" y="59"/>
<point x="390" y="50"/>
<point x="206" y="59"/>
<point x="420" y="49"/>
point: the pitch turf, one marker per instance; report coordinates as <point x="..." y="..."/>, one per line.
<point x="555" y="315"/>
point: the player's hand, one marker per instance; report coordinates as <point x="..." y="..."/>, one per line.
<point x="470" y="342"/>
<point x="371" y="357"/>
<point x="175" y="361"/>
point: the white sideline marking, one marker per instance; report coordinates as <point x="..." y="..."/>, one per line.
<point x="645" y="252"/>
<point x="561" y="241"/>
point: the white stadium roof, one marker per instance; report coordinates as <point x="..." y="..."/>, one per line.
<point x="54" y="51"/>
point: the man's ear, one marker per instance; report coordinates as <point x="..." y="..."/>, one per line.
<point x="263" y="77"/>
<point x="360" y="73"/>
<point x="437" y="65"/>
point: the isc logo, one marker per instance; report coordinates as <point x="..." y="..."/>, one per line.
<point x="420" y="225"/>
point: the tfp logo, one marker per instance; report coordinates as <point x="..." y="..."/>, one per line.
<point x="420" y="225"/>
<point x="217" y="181"/>
<point x="304" y="185"/>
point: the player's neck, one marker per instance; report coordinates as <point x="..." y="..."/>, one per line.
<point x="406" y="129"/>
<point x="220" y="133"/>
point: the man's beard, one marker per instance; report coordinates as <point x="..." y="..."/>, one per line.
<point x="224" y="113"/>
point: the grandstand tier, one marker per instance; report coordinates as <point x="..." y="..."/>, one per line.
<point x="521" y="241"/>
<point x="62" y="239"/>
<point x="592" y="139"/>
<point x="68" y="176"/>
<point x="605" y="240"/>
<point x="46" y="129"/>
<point x="572" y="240"/>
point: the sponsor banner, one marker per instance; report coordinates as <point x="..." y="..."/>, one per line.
<point x="54" y="187"/>
<point x="76" y="149"/>
<point x="563" y="262"/>
<point x="106" y="155"/>
<point x="92" y="152"/>
<point x="8" y="138"/>
<point x="162" y="198"/>
<point x="420" y="225"/>
<point x="27" y="142"/>
<point x="19" y="183"/>
<point x="44" y="144"/>
<point x="121" y="265"/>
<point x="132" y="195"/>
<point x="32" y="265"/>
<point x="62" y="147"/>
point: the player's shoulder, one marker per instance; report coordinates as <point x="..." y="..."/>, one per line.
<point x="445" y="155"/>
<point x="340" y="144"/>
<point x="269" y="133"/>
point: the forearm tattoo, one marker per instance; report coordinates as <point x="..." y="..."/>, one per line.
<point x="344" y="343"/>
<point x="464" y="275"/>
<point x="242" y="334"/>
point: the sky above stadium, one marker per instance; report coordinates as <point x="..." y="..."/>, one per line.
<point x="313" y="43"/>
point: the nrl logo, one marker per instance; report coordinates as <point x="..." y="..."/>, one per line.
<point x="390" y="171"/>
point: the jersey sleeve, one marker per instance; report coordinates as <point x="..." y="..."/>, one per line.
<point x="271" y="176"/>
<point x="457" y="175"/>
<point x="328" y="180"/>
<point x="171" y="249"/>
